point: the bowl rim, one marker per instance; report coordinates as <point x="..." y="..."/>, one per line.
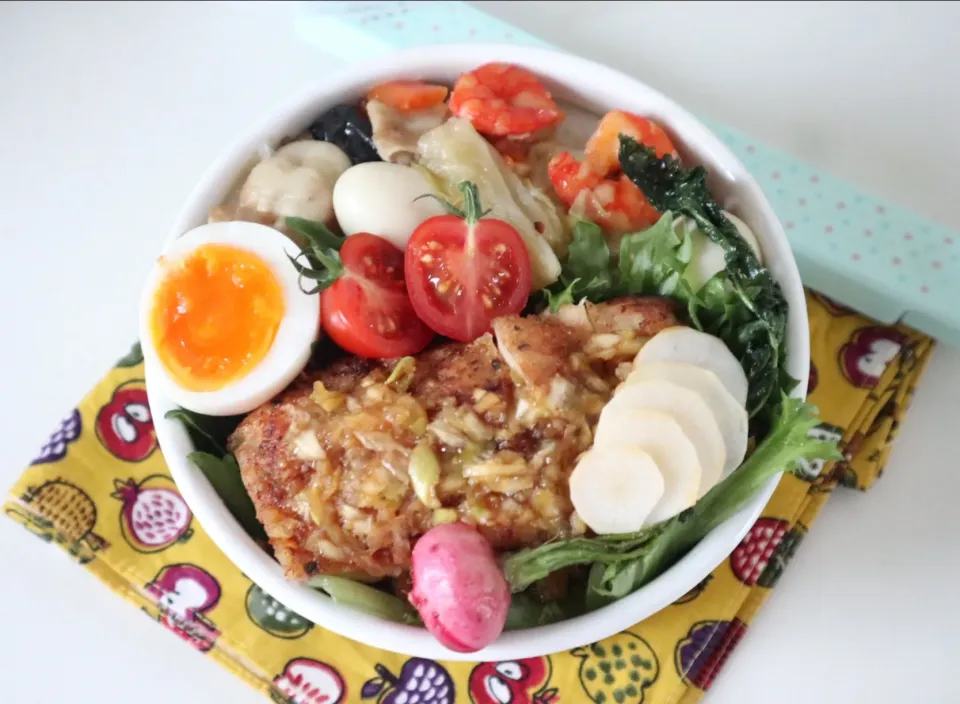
<point x="585" y="77"/>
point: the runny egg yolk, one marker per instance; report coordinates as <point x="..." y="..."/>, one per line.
<point x="215" y="315"/>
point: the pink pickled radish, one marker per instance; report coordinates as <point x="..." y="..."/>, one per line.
<point x="458" y="589"/>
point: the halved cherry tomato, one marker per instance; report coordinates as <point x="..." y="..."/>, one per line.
<point x="503" y="99"/>
<point x="367" y="310"/>
<point x="602" y="152"/>
<point x="463" y="271"/>
<point x="408" y="95"/>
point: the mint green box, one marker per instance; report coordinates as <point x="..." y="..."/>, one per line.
<point x="860" y="250"/>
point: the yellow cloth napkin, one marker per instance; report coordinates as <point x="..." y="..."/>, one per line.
<point x="101" y="491"/>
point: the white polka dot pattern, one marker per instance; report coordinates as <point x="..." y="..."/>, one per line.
<point x="868" y="254"/>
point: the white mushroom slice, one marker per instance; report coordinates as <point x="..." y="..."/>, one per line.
<point x="730" y="415"/>
<point x="396" y="133"/>
<point x="683" y="344"/>
<point x="664" y="440"/>
<point x="614" y="489"/>
<point x="296" y="181"/>
<point x="324" y="157"/>
<point x="689" y="410"/>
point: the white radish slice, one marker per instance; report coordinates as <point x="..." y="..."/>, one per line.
<point x="692" y="414"/>
<point x="663" y="439"/>
<point x="683" y="344"/>
<point x="614" y="489"/>
<point x="730" y="415"/>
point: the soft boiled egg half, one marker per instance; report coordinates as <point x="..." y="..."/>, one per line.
<point x="224" y="324"/>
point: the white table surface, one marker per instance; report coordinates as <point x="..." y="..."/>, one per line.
<point x="110" y="111"/>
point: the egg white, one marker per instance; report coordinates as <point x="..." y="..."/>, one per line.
<point x="384" y="199"/>
<point x="291" y="347"/>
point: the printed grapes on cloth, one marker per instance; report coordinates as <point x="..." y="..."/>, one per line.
<point x="100" y="490"/>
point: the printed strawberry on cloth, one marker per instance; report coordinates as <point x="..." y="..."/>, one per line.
<point x="100" y="490"/>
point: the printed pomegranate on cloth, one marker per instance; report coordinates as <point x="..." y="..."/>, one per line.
<point x="154" y="516"/>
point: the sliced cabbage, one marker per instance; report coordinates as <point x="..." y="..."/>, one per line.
<point x="455" y="152"/>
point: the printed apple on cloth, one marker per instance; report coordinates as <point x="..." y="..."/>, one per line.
<point x="100" y="490"/>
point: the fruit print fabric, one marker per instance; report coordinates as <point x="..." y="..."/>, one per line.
<point x="153" y="515"/>
<point x="420" y="681"/>
<point x="87" y="497"/>
<point x="696" y="591"/>
<point x="751" y="556"/>
<point x="60" y="512"/>
<point x="124" y="425"/>
<point x="182" y="595"/>
<point x="512" y="682"/>
<point x="308" y="681"/>
<point x="702" y="653"/>
<point x="618" y="670"/>
<point x="273" y="617"/>
<point x="55" y="448"/>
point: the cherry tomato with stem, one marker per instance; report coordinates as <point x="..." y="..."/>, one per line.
<point x="463" y="270"/>
<point x="367" y="311"/>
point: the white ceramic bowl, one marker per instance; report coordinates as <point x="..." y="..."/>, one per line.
<point x="573" y="80"/>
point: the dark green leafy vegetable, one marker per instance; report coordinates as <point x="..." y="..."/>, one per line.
<point x="623" y="564"/>
<point x="755" y="330"/>
<point x="525" y="567"/>
<point x="208" y="433"/>
<point x="365" y="598"/>
<point x="318" y="234"/>
<point x="321" y="253"/>
<point x="527" y="611"/>
<point x="223" y="473"/>
<point x="209" y="436"/>
<point x="131" y="358"/>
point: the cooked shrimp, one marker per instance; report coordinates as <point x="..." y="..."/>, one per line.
<point x="603" y="147"/>
<point x="615" y="204"/>
<point x="502" y="99"/>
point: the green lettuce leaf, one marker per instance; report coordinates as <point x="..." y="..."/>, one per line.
<point x="649" y="262"/>
<point x="588" y="271"/>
